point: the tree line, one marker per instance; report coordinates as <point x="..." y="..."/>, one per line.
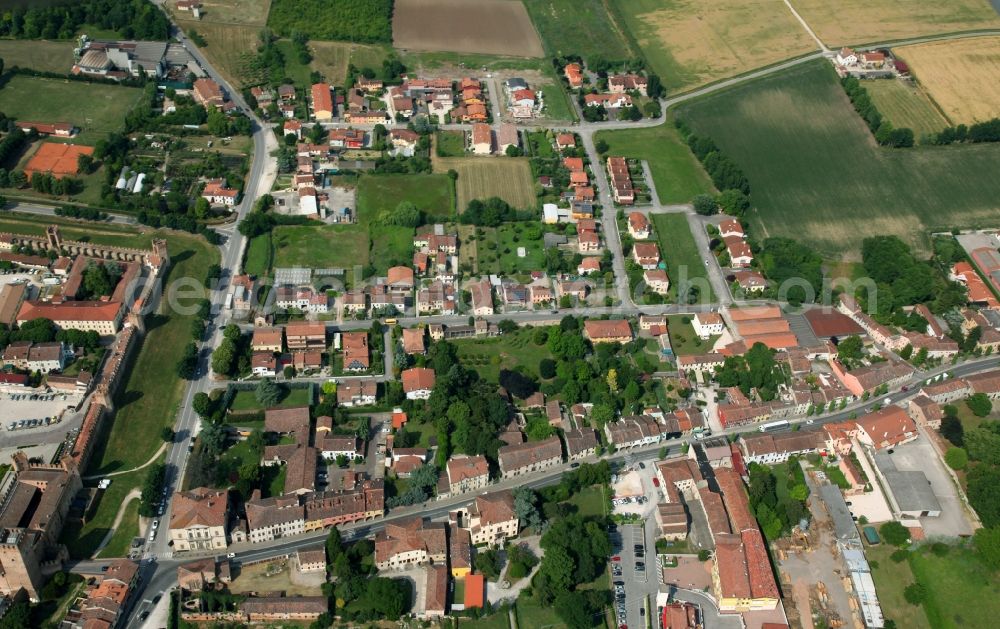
<point x="62" y="19"/>
<point x="885" y="133"/>
<point x="725" y="173"/>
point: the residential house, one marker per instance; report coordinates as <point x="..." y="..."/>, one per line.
<point x="418" y="383"/>
<point x="467" y="473"/>
<point x="657" y="281"/>
<point x="268" y="340"/>
<point x="216" y="191"/>
<point x="322" y="102"/>
<point x="482" y="298"/>
<point x="413" y="341"/>
<point x="580" y="443"/>
<point x="207" y="93"/>
<point x="638" y="225"/>
<point x="607" y="331"/>
<point x="524" y="458"/>
<point x="622" y="83"/>
<point x="886" y="428"/>
<point x="588" y="266"/>
<point x="771" y="449"/>
<point x="507" y="136"/>
<point x="609" y="101"/>
<point x="731" y="228"/>
<point x="356" y="392"/>
<point x="574" y="75"/>
<point x="263" y="364"/>
<point x="305" y="335"/>
<point x="708" y="324"/>
<point x="491" y="519"/>
<point x="926" y="411"/>
<point x="356" y="353"/>
<point x="414" y="541"/>
<point x="482" y="139"/>
<point x="740" y="256"/>
<point x="646" y="255"/>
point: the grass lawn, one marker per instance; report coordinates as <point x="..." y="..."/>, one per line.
<point x="259" y="255"/>
<point x="530" y="613"/>
<point x="127" y="529"/>
<point x="331" y="58"/>
<point x="683" y="339"/>
<point x="244" y="401"/>
<point x="450" y="143"/>
<point x="961" y="591"/>
<point x="580" y="27"/>
<point x="790" y="133"/>
<point x="679" y="249"/>
<point x="677" y="175"/>
<point x="497" y="250"/>
<point x="890" y="580"/>
<point x="379" y="193"/>
<point x="557" y="104"/>
<point x="272" y="480"/>
<point x="82" y="540"/>
<point x="499" y="620"/>
<point x="38" y="54"/>
<point x="906" y="105"/>
<point x="297" y="72"/>
<point x="539" y="144"/>
<point x="487" y="355"/>
<point x="483" y="177"/>
<point x="590" y="501"/>
<point x="152" y="394"/>
<point x="391" y="246"/>
<point x="96" y="109"/>
<point x="327" y="246"/>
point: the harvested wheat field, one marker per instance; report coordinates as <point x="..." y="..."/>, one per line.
<point x="489" y="27"/>
<point x="483" y="177"/>
<point x="850" y="22"/>
<point x="962" y="76"/>
<point x="690" y="43"/>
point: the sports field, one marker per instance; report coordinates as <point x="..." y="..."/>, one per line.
<point x="816" y="174"/>
<point x="497" y="27"/>
<point x="849" y="22"/>
<point x="677" y="175"/>
<point x="483" y="177"/>
<point x="905" y="104"/>
<point x="962" y="76"/>
<point x="37" y="54"/>
<point x="580" y="27"/>
<point x="691" y="43"/>
<point x="95" y="109"/>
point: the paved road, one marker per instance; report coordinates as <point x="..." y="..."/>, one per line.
<point x="45" y="210"/>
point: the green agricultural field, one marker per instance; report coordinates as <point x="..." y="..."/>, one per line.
<point x="327" y="246"/>
<point x="580" y="27"/>
<point x="516" y="349"/>
<point x="391" y="246"/>
<point x="679" y="249"/>
<point x="37" y="54"/>
<point x="258" y="256"/>
<point x="906" y="105"/>
<point x="677" y="175"/>
<point x="381" y="193"/>
<point x="816" y="174"/>
<point x="96" y="109"/>
<point x="332" y="58"/>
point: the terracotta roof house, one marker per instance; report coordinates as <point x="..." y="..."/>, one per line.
<point x="646" y="254"/>
<point x="400" y="279"/>
<point x="356" y="354"/>
<point x="418" y="383"/>
<point x="199" y="519"/>
<point x="610" y="331"/>
<point x="410" y="542"/>
<point x="268" y="340"/>
<point x="467" y="473"/>
<point x="574" y="74"/>
<point x="413" y="341"/>
<point x="322" y="102"/>
<point x="886" y="428"/>
<point x="287" y="421"/>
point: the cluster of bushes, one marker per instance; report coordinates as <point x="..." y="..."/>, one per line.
<point x="777" y="515"/>
<point x="232" y="356"/>
<point x="725" y="174"/>
<point x="12" y="143"/>
<point x="85" y="213"/>
<point x="365" y="21"/>
<point x="903" y="280"/>
<point x="885" y="133"/>
<point x="151" y="490"/>
<point x="360" y="595"/>
<point x="492" y="212"/>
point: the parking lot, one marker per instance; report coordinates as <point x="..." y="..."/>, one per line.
<point x="43" y="419"/>
<point x="920" y="456"/>
<point x="630" y="576"/>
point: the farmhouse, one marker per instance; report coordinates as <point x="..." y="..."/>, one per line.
<point x="216" y="191"/>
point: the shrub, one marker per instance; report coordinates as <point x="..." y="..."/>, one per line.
<point x="956" y="458"/>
